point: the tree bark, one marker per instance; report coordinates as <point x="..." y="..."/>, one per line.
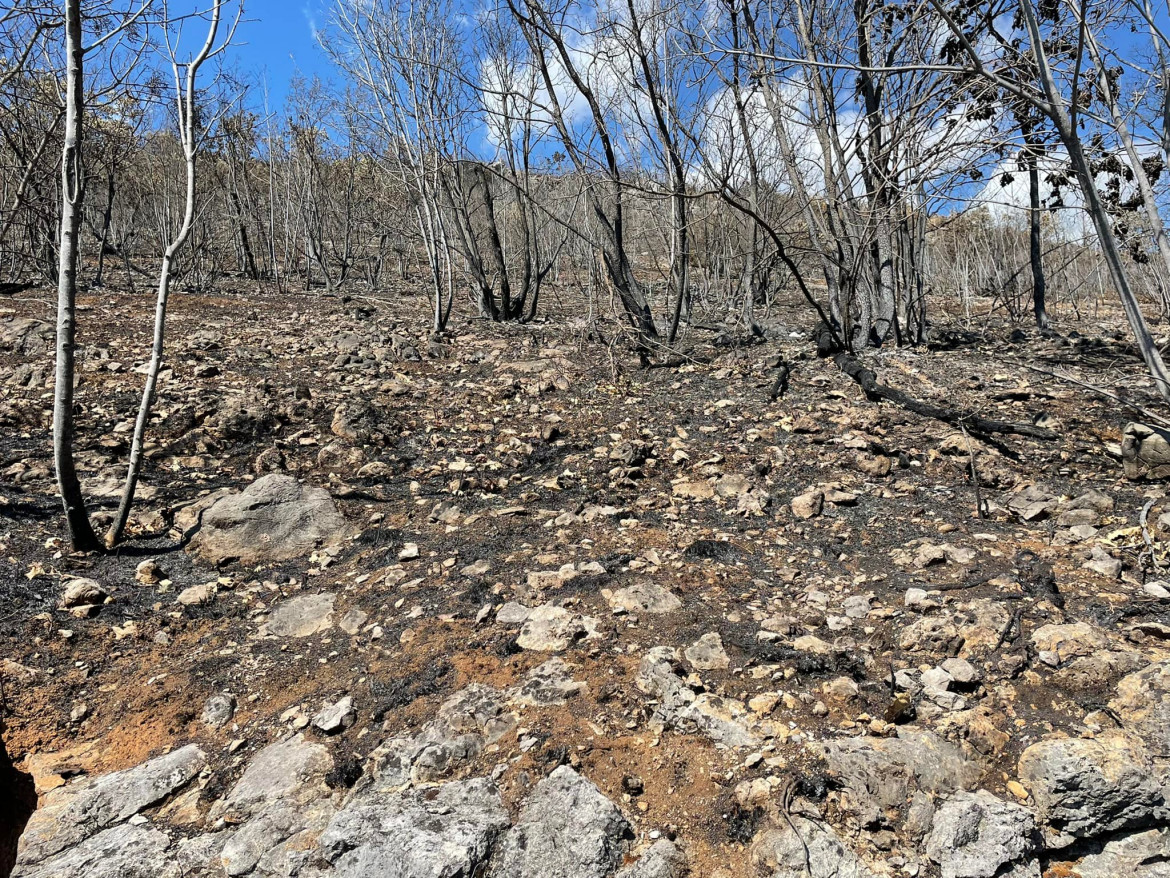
<point x="188" y="135"/>
<point x="81" y="535"/>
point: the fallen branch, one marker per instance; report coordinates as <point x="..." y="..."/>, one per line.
<point x="1141" y="410"/>
<point x="980" y="426"/>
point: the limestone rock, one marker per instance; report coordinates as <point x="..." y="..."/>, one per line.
<point x="550" y="628"/>
<point x="82" y="592"/>
<point x="292" y="769"/>
<point x="198" y="595"/>
<point x="1100" y="561"/>
<point x="359" y="421"/>
<point x="549" y="684"/>
<point x="975" y="835"/>
<point x="71" y="814"/>
<point x="432" y="833"/>
<point x="643" y="597"/>
<point x="218" y="710"/>
<point x="260" y="837"/>
<point x="694" y="490"/>
<point x="724" y="720"/>
<point x="119" y="852"/>
<point x="1145" y="452"/>
<point x="1143" y="703"/>
<point x="707" y="653"/>
<point x="26" y="335"/>
<point x="1140" y="855"/>
<point x="512" y="613"/>
<point x="301" y="616"/>
<point x="805" y="849"/>
<point x="881" y="774"/>
<point x="274" y="519"/>
<point x="336" y="717"/>
<point x="1057" y="645"/>
<point x="808" y="505"/>
<point x="664" y="859"/>
<point x="1087" y="788"/>
<point x="566" y="829"/>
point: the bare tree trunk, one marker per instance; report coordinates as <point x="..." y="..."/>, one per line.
<point x="188" y="135"/>
<point x="81" y="534"/>
<point x="1058" y="112"/>
<point x="245" y="243"/>
<point x="1035" y="251"/>
<point x="105" y="233"/>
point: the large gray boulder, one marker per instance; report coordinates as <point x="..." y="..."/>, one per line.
<point x="1089" y="787"/>
<point x="567" y="829"/>
<point x="275" y="824"/>
<point x="1141" y="855"/>
<point x="26" y="335"/>
<point x="663" y="859"/>
<point x="441" y="832"/>
<point x="119" y="852"/>
<point x="291" y="770"/>
<point x="70" y="814"/>
<point x="976" y="835"/>
<point x="1145" y="452"/>
<point x="724" y="720"/>
<point x="805" y="849"/>
<point x="274" y="519"/>
<point x="880" y="775"/>
<point x="1143" y="703"/>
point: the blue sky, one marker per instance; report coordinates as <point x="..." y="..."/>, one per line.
<point x="277" y="41"/>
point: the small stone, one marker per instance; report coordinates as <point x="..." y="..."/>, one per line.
<point x="82" y="592"/>
<point x="218" y="710"/>
<point x="353" y="620"/>
<point x="808" y="505"/>
<point x="408" y="552"/>
<point x="1157" y="589"/>
<point x="707" y="653"/>
<point x="764" y="703"/>
<point x="856" y="606"/>
<point x="336" y="717"/>
<point x="512" y="613"/>
<point x="148" y="572"/>
<point x="915" y="597"/>
<point x="643" y="597"/>
<point x="811" y="643"/>
<point x="842" y="688"/>
<point x="961" y="671"/>
<point x="936" y="681"/>
<point x="198" y="595"/>
<point x="1103" y="563"/>
<point x="878" y="465"/>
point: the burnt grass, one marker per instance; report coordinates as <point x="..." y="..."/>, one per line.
<point x="465" y="422"/>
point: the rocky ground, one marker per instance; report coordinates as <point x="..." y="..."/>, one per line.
<point x="500" y="604"/>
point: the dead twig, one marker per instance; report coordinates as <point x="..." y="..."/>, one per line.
<point x="980" y="507"/>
